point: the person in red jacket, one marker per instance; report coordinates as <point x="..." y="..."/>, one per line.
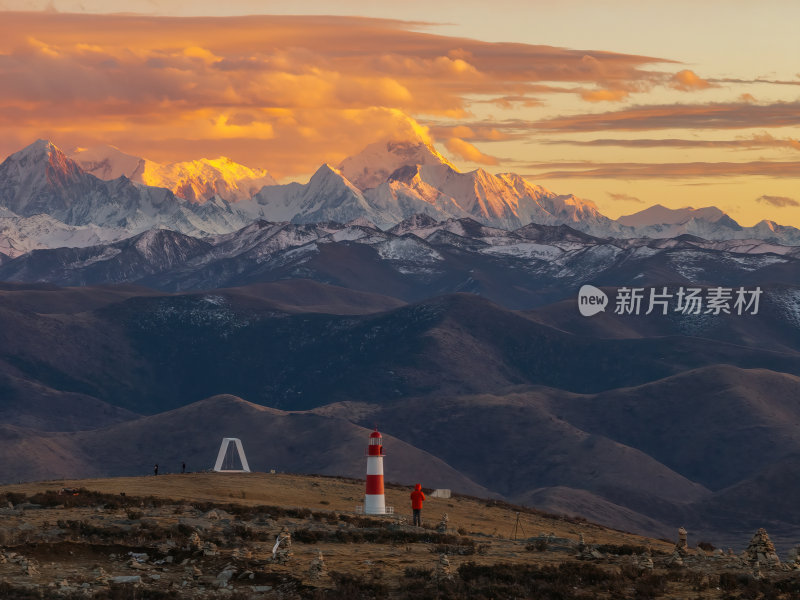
<point x="416" y="504"/>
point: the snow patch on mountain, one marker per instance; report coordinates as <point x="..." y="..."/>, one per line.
<point x="107" y="253"/>
<point x="526" y="250"/>
<point x="19" y="235"/>
<point x="788" y="303"/>
<point x="754" y="262"/>
<point x="408" y="249"/>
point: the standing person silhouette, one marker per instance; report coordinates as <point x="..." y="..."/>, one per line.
<point x="183" y="467"/>
<point x="417" y="497"/>
<point x="155" y="469"/>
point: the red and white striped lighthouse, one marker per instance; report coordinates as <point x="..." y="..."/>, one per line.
<point x="375" y="501"/>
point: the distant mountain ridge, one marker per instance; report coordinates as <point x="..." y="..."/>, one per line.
<point x="47" y="200"/>
<point x="661" y="215"/>
<point x="418" y="258"/>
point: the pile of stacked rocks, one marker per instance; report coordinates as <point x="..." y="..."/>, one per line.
<point x="586" y="552"/>
<point x="442" y="526"/>
<point x="645" y="561"/>
<point x="317" y="569"/>
<point x="681" y="549"/>
<point x="195" y="543"/>
<point x="761" y="551"/>
<point x="442" y="572"/>
<point x="282" y="551"/>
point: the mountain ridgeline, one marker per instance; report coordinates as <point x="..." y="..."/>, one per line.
<point x="51" y="200"/>
<point x="417" y="259"/>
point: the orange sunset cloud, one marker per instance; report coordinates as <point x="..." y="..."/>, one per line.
<point x="286" y="92"/>
<point x="687" y="170"/>
<point x="687" y="80"/>
<point x="735" y="115"/>
<point x="469" y="152"/>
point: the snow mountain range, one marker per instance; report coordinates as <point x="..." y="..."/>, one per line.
<point x="416" y="259"/>
<point x="195" y="180"/>
<point x="101" y="195"/>
<point x="49" y="201"/>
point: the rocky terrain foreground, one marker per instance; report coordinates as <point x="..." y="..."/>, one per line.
<point x="212" y="535"/>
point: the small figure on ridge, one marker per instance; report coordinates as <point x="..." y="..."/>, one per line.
<point x="417" y="497"/>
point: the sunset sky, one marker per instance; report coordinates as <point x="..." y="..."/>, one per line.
<point x="627" y="103"/>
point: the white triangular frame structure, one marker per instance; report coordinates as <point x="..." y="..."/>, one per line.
<point x="223" y="449"/>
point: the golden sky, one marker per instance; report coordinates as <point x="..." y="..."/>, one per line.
<point x="627" y="103"/>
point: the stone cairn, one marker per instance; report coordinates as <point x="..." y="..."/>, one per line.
<point x="586" y="552"/>
<point x="646" y="559"/>
<point x="282" y="551"/>
<point x="195" y="543"/>
<point x="681" y="549"/>
<point x="316" y="570"/>
<point x="761" y="551"/>
<point x="443" y="569"/>
<point x="442" y="526"/>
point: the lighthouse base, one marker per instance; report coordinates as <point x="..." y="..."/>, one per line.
<point x="374" y="504"/>
<point x="361" y="510"/>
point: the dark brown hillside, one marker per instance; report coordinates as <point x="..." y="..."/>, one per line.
<point x="305" y="295"/>
<point x="272" y="439"/>
<point x="581" y="503"/>
<point x="715" y="425"/>
<point x="50" y="299"/>
<point x="31" y="405"/>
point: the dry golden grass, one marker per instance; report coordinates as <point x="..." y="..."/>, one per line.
<point x="327" y="493"/>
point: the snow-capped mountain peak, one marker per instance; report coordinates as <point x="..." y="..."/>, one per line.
<point x="109" y="162"/>
<point x="327" y="175"/>
<point x="375" y="163"/>
<point x="41" y="159"/>
<point x="328" y="196"/>
<point x="38" y="178"/>
<point x="194" y="180"/>
<point x="36" y="149"/>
